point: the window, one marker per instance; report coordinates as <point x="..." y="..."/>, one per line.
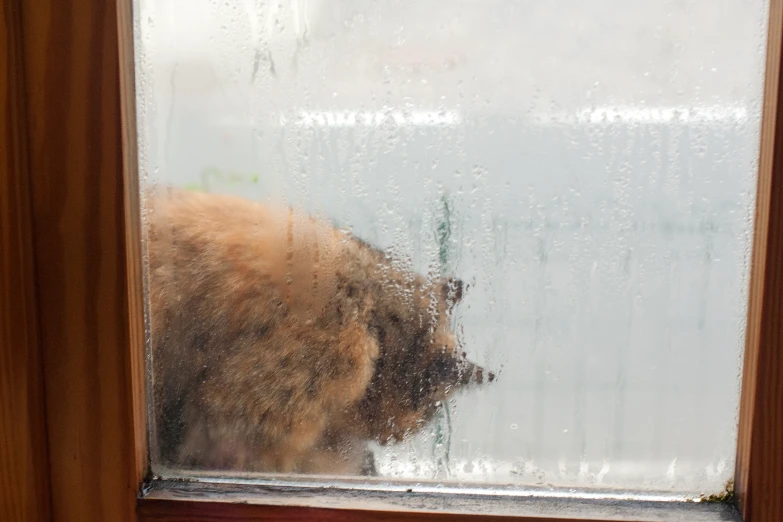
<point x="598" y="204"/>
<point x="64" y="366"/>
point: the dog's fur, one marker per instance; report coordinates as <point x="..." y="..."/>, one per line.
<point x="282" y="344"/>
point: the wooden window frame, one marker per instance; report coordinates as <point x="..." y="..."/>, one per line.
<point x="72" y="356"/>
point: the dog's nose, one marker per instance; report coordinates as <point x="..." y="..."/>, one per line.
<point x="479" y="375"/>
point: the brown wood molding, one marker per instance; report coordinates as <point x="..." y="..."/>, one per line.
<point x="24" y="487"/>
<point x="182" y="510"/>
<point x="137" y="362"/>
<point x="759" y="471"/>
<point x="153" y="510"/>
<point x="78" y="200"/>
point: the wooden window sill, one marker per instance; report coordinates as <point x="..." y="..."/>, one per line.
<point x="179" y="500"/>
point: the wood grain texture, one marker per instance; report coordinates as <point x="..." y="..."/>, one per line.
<point x="24" y="489"/>
<point x="76" y="157"/>
<point x="160" y="510"/>
<point x="759" y="471"/>
<point x="137" y="362"/>
<point x="181" y="511"/>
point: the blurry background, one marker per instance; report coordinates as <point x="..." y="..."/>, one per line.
<point x="588" y="167"/>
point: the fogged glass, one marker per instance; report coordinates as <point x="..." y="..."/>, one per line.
<point x="466" y="242"/>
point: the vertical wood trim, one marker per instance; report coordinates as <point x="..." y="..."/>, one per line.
<point x="78" y="203"/>
<point x="24" y="488"/>
<point x="137" y="368"/>
<point x="759" y="472"/>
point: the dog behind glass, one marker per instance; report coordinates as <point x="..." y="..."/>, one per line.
<point x="282" y="344"/>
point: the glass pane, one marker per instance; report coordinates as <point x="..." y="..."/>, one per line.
<point x="472" y="242"/>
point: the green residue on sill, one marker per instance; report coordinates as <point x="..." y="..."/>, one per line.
<point x="724" y="496"/>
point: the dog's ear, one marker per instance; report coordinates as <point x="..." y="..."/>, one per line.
<point x="452" y="291"/>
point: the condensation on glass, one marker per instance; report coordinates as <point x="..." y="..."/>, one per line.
<point x="542" y="208"/>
